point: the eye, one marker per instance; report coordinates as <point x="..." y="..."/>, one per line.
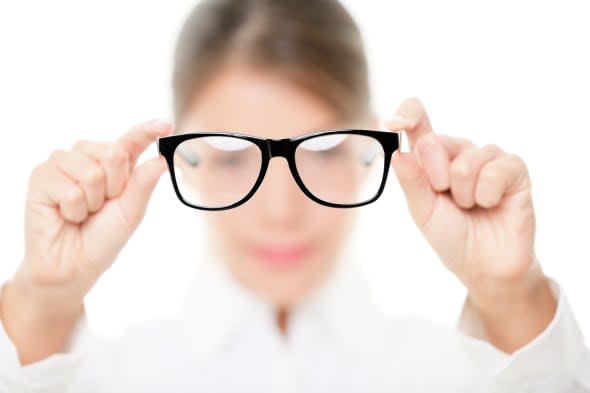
<point x="330" y="152"/>
<point x="189" y="155"/>
<point x="369" y="154"/>
<point x="229" y="159"/>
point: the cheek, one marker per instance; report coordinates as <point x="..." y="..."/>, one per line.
<point x="333" y="223"/>
<point x="327" y="225"/>
<point x="227" y="227"/>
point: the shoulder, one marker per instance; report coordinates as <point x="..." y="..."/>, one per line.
<point x="154" y="340"/>
<point x="138" y="344"/>
<point x="414" y="329"/>
<point x="147" y="353"/>
<point x="420" y="335"/>
<point x="420" y="344"/>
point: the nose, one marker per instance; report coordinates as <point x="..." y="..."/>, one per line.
<point x="279" y="197"/>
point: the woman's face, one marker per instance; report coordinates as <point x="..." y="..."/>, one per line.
<point x="279" y="243"/>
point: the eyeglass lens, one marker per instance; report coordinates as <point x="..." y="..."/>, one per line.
<point x="218" y="171"/>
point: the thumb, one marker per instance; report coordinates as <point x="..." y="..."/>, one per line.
<point x="419" y="195"/>
<point x="134" y="200"/>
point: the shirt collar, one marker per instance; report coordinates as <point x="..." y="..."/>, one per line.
<point x="217" y="306"/>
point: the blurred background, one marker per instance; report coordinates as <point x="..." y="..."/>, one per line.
<point x="514" y="73"/>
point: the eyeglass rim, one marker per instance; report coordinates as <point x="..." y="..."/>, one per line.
<point x="285" y="147"/>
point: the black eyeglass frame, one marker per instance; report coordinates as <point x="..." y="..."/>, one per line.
<point x="285" y="147"/>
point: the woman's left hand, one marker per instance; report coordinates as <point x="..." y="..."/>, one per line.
<point x="473" y="205"/>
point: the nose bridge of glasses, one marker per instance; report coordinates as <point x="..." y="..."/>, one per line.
<point x="278" y="147"/>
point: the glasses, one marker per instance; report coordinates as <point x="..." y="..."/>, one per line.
<point x="340" y="168"/>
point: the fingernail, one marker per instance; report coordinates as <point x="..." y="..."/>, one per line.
<point x="397" y="120"/>
<point x="158" y="122"/>
<point x="161" y="124"/>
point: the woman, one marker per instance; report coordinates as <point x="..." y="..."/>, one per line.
<point x="277" y="306"/>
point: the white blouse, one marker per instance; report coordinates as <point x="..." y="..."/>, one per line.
<point x="337" y="341"/>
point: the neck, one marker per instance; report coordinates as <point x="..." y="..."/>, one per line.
<point x="282" y="320"/>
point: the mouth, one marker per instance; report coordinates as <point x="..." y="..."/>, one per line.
<point x="280" y="257"/>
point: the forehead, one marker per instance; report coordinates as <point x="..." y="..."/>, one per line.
<point x="258" y="102"/>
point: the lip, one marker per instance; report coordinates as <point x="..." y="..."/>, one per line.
<point x="278" y="256"/>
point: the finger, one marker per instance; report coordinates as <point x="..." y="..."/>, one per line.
<point x="503" y="176"/>
<point x="464" y="172"/>
<point x="139" y="137"/>
<point x="135" y="198"/>
<point x="112" y="158"/>
<point x="49" y="186"/>
<point x="435" y="160"/>
<point x="86" y="172"/>
<point x="435" y="152"/>
<point x="411" y="117"/>
<point x="454" y="145"/>
<point x="419" y="195"/>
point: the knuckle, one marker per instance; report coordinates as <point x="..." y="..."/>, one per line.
<point x="38" y="169"/>
<point x="73" y="195"/>
<point x="116" y="155"/>
<point x="461" y="167"/>
<point x="77" y="217"/>
<point x="38" y="173"/>
<point x="426" y="140"/>
<point x="521" y="166"/>
<point x="518" y="160"/>
<point x="94" y="175"/>
<point x="429" y="138"/>
<point x="466" y="143"/>
<point x="492" y="147"/>
<point x="80" y="144"/>
<point x="489" y="175"/>
<point x="56" y="154"/>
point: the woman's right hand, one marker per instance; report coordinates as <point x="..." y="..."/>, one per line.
<point x="82" y="206"/>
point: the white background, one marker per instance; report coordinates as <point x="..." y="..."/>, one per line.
<point x="513" y="73"/>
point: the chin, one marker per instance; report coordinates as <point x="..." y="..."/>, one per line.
<point x="284" y="285"/>
<point x="290" y="290"/>
<point x="286" y="299"/>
